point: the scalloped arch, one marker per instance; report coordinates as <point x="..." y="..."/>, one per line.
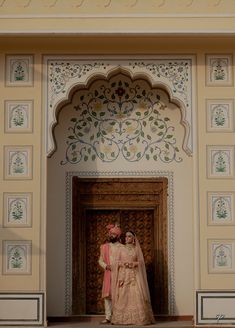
<point x="64" y="75"/>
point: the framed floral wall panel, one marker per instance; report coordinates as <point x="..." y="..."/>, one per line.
<point x="19" y="116"/>
<point x="19" y="70"/>
<point x="220" y="161"/>
<point x="17" y="210"/>
<point x="17" y="256"/>
<point x="220" y="115"/>
<point x="221" y="256"/>
<point x="219" y="70"/>
<point x="18" y="162"/>
<point x="220" y="208"/>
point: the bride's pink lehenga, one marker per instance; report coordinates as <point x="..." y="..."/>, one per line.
<point x="130" y="292"/>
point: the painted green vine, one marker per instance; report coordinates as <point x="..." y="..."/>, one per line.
<point x="123" y="119"/>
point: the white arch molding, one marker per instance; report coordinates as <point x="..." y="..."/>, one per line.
<point x="175" y="74"/>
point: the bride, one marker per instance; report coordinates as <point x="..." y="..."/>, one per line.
<point x="130" y="293"/>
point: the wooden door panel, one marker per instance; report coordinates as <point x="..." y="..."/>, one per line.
<point x="139" y="221"/>
<point x="139" y="205"/>
<point x="96" y="235"/>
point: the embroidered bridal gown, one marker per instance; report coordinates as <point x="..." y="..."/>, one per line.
<point x="130" y="293"/>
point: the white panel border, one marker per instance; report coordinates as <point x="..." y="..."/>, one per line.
<point x="26" y="220"/>
<point x="212" y="152"/>
<point x="27" y="105"/>
<point x="229" y="105"/>
<point x="28" y="61"/>
<point x="221" y="256"/>
<point x="27" y="164"/>
<point x="226" y="70"/>
<point x="211" y="197"/>
<point x="20" y="297"/>
<point x="26" y="247"/>
<point x="220" y="318"/>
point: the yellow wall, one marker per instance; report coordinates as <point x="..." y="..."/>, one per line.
<point x="212" y="281"/>
<point x="200" y="46"/>
<point x="34" y="281"/>
<point x="117" y="16"/>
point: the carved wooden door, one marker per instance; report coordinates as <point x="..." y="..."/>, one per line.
<point x="96" y="234"/>
<point x="137" y="204"/>
<point x="139" y="221"/>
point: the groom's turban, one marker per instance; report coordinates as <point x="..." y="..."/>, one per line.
<point x="114" y="230"/>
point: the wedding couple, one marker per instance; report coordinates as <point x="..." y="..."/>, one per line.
<point x="125" y="287"/>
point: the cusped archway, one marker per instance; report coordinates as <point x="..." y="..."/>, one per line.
<point x="174" y="75"/>
<point x="121" y="118"/>
<point x="119" y="111"/>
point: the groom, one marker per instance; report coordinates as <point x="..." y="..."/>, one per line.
<point x="108" y="253"/>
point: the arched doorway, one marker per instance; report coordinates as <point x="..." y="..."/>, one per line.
<point x="78" y="124"/>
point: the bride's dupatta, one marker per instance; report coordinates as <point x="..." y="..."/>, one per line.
<point x="130" y="292"/>
<point x="141" y="272"/>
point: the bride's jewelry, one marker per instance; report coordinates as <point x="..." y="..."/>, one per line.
<point x="129" y="246"/>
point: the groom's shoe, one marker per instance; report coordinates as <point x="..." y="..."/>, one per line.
<point x="105" y="322"/>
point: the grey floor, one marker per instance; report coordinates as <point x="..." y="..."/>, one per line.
<point x="170" y="324"/>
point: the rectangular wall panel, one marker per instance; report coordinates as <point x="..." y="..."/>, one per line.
<point x="215" y="307"/>
<point x="21" y="309"/>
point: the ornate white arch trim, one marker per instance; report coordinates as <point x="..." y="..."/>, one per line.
<point x="173" y="73"/>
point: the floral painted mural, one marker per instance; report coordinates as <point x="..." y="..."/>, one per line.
<point x="120" y="118"/>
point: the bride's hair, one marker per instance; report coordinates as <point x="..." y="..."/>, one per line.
<point x="132" y="232"/>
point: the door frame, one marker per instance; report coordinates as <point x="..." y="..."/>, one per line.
<point x="68" y="228"/>
<point x="126" y="193"/>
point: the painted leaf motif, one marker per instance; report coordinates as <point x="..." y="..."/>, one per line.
<point x="122" y="117"/>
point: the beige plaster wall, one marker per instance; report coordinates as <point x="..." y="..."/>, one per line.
<point x="206" y="184"/>
<point x="125" y="16"/>
<point x="35" y="233"/>
<point x="191" y="180"/>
